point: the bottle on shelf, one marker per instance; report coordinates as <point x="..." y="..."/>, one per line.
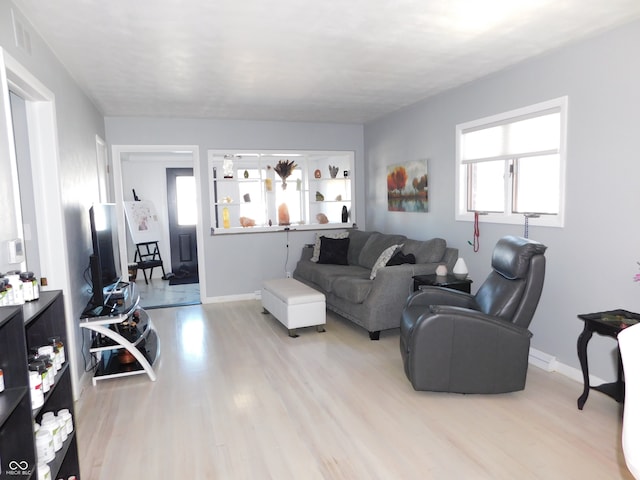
<point x="225" y="218"/>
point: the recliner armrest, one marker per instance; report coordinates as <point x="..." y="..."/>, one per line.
<point x="430" y="295"/>
<point x="460" y="314"/>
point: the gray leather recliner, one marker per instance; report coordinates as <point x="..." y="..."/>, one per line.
<point x="452" y="341"/>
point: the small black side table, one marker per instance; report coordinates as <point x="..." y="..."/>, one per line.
<point x="448" y="281"/>
<point x="608" y="323"/>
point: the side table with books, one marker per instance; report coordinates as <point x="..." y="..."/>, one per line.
<point x="447" y="281"/>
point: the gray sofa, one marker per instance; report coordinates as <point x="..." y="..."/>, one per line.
<point x="372" y="304"/>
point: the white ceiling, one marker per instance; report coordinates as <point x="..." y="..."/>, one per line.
<point x="300" y="60"/>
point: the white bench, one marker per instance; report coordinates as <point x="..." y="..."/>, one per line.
<point x="294" y="304"/>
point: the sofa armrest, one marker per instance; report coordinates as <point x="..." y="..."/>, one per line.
<point x="307" y="252"/>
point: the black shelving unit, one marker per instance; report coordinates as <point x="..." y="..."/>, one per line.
<point x="17" y="447"/>
<point x="22" y="329"/>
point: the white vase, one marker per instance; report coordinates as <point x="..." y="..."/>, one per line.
<point x="460" y="269"/>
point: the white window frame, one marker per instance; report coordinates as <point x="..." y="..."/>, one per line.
<point x="462" y="214"/>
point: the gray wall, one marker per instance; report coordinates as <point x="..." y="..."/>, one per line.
<point x="78" y="122"/>
<point x="592" y="260"/>
<point x="237" y="264"/>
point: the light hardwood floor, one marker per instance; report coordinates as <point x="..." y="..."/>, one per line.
<point x="236" y="398"/>
<point x="159" y="293"/>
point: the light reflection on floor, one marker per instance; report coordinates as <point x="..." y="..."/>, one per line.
<point x="158" y="293"/>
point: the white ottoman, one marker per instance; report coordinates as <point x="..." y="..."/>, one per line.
<point x="294" y="304"/>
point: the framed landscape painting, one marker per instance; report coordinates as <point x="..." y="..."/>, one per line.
<point x="407" y="187"/>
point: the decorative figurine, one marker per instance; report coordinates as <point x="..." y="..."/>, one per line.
<point x="284" y="168"/>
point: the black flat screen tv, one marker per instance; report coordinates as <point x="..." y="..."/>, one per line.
<point x="106" y="273"/>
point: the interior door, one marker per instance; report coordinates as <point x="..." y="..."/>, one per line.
<point x="181" y="199"/>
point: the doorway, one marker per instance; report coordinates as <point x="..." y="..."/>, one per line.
<point x="182" y="212"/>
<point x="143" y="168"/>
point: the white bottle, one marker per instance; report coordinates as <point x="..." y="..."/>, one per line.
<point x="16" y="283"/>
<point x="44" y="446"/>
<point x="51" y="425"/>
<point x="44" y="472"/>
<point x="68" y="419"/>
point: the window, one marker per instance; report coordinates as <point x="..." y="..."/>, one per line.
<point x="186" y="200"/>
<point x="513" y="164"/>
<point x="248" y="195"/>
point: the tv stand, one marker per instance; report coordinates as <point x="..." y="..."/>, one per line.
<point x="124" y="338"/>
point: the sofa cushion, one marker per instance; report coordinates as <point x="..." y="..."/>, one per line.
<point x="334" y="250"/>
<point x="316" y="246"/>
<point x="426" y="251"/>
<point x="323" y="275"/>
<point x="375" y="245"/>
<point x="354" y="290"/>
<point x="357" y="239"/>
<point x="382" y="260"/>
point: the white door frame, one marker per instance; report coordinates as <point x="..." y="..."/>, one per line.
<point x="117" y="154"/>
<point x="45" y="161"/>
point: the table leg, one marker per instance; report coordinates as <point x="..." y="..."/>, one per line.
<point x="583" y="340"/>
<point x="620" y="381"/>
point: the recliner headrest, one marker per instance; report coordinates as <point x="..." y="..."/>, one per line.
<point x="512" y="254"/>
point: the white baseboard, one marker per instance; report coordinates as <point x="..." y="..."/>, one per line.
<point x="233" y="298"/>
<point x="549" y="363"/>
<point x="83" y="383"/>
<point x="543" y="360"/>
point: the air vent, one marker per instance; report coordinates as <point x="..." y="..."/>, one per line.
<point x="21" y="35"/>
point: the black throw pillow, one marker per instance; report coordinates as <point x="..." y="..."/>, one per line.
<point x="399" y="258"/>
<point x="334" y="250"/>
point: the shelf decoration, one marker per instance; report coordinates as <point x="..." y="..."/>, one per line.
<point x="283" y="215"/>
<point x="226" y="222"/>
<point x="247" y="222"/>
<point x="322" y="218"/>
<point x="333" y="171"/>
<point x="227" y="166"/>
<point x="284" y="168"/>
<point x="319" y="197"/>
